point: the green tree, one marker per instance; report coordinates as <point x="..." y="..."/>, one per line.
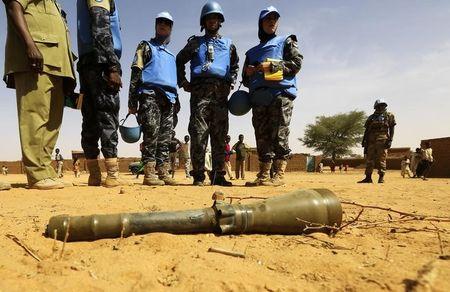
<point x="334" y="136"/>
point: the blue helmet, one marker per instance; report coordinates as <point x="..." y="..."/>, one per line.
<point x="210" y="8"/>
<point x="239" y="103"/>
<point x="165" y="15"/>
<point x="267" y="11"/>
<point x="378" y="102"/>
<point x="129" y="134"/>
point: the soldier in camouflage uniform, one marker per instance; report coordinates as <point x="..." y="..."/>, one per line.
<point x="99" y="48"/>
<point x="272" y="97"/>
<point x="153" y="89"/>
<point x="214" y="68"/>
<point x="377" y="139"/>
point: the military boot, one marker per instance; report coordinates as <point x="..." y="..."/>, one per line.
<point x="150" y="177"/>
<point x="95" y="175"/>
<point x="218" y="179"/>
<point x="280" y="168"/>
<point x="112" y="173"/>
<point x="381" y="177"/>
<point x="163" y="175"/>
<point x="366" y="180"/>
<point x="199" y="178"/>
<point x="4" y="186"/>
<point x="263" y="176"/>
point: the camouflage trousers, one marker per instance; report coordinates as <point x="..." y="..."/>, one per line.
<point x="376" y="157"/>
<point x="271" y="124"/>
<point x="209" y="118"/>
<point x="155" y="116"/>
<point x="100" y="110"/>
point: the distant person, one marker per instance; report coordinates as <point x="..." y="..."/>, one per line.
<point x="186" y="156"/>
<point x="4" y="170"/>
<point x="377" y="140"/>
<point x="174" y="147"/>
<point x="415" y="160"/>
<point x="228" y="153"/>
<point x="241" y="156"/>
<point x="345" y="168"/>
<point x="341" y="166"/>
<point x="208" y="165"/>
<point x="39" y="65"/>
<point x="76" y="167"/>
<point x="320" y="168"/>
<point x="333" y="166"/>
<point x="405" y="166"/>
<point x="427" y="160"/>
<point x="59" y="163"/>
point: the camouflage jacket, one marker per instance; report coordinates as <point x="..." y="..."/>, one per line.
<point x="378" y="127"/>
<point x="103" y="53"/>
<point x="187" y="53"/>
<point x="292" y="59"/>
<point x="142" y="56"/>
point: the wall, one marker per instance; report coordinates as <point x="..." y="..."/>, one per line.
<point x="441" y="154"/>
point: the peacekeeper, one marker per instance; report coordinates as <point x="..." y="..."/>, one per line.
<point x="100" y="48"/>
<point x="153" y="92"/>
<point x="39" y="65"/>
<point x="269" y="73"/>
<point x="377" y="140"/>
<point x="214" y="69"/>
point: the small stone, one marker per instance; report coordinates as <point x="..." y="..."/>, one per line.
<point x="122" y="191"/>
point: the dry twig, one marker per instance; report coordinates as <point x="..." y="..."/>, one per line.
<point x="227" y="252"/>
<point x="441" y="246"/>
<point x="23" y="245"/>
<point x="65" y="239"/>
<point x="244" y="198"/>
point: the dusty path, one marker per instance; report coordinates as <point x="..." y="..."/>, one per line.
<point x="387" y="257"/>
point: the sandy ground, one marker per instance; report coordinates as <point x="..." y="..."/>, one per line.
<point x="394" y="256"/>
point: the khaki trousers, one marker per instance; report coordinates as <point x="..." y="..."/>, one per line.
<point x="40" y="105"/>
<point x="240" y="168"/>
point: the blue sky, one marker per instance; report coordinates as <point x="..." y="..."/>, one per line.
<point x="354" y="51"/>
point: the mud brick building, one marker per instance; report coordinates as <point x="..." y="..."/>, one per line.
<point x="441" y="154"/>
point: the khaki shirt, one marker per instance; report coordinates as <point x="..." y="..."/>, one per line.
<point x="51" y="35"/>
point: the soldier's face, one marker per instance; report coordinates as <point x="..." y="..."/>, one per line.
<point x="270" y="23"/>
<point x="381" y="107"/>
<point x="212" y="22"/>
<point x="163" y="28"/>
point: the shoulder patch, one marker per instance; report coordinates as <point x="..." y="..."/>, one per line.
<point x="99" y="3"/>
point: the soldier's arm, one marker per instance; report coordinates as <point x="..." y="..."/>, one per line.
<point x="101" y="35"/>
<point x="292" y="59"/>
<point x="141" y="57"/>
<point x="234" y="64"/>
<point x="392" y="124"/>
<point x="184" y="56"/>
<point x="15" y="10"/>
<point x="245" y="77"/>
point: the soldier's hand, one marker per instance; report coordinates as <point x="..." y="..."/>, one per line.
<point x="132" y="110"/>
<point x="250" y="70"/>
<point x="114" y="80"/>
<point x="187" y="86"/>
<point x="35" y="58"/>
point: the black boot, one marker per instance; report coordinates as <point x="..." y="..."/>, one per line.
<point x="218" y="178"/>
<point x="367" y="180"/>
<point x="199" y="178"/>
<point x="381" y="178"/>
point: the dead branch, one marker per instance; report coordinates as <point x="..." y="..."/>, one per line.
<point x="352" y="221"/>
<point x="406" y="214"/>
<point x="226" y="252"/>
<point x="65" y="239"/>
<point x="441" y="247"/>
<point x="23" y="245"/>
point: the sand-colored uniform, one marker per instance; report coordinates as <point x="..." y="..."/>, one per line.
<point x="40" y="97"/>
<point x="377" y="129"/>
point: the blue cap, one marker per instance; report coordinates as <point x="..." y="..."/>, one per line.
<point x="380" y="101"/>
<point x="165" y="15"/>
<point x="267" y="11"/>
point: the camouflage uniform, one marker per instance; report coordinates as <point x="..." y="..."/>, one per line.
<point x="209" y="111"/>
<point x="271" y="123"/>
<point x="101" y="104"/>
<point x="155" y="114"/>
<point x="376" y="138"/>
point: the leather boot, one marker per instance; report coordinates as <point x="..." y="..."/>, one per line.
<point x="218" y="179"/>
<point x="112" y="173"/>
<point x="366" y="180"/>
<point x="95" y="175"/>
<point x="279" y="169"/>
<point x="163" y="175"/>
<point x="150" y="177"/>
<point x="263" y="176"/>
<point x="199" y="178"/>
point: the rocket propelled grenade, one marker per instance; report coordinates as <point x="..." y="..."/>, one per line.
<point x="286" y="215"/>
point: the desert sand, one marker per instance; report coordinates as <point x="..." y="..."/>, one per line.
<point x="393" y="256"/>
